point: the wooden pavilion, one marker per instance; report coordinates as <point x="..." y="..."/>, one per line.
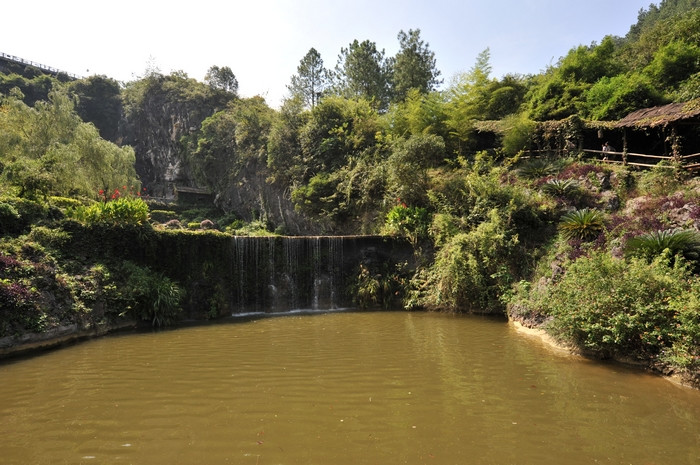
<point x="676" y="126"/>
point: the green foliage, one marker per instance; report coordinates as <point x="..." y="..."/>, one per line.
<point x="9" y="218"/>
<point x="254" y="228"/>
<point x="623" y="307"/>
<point x="337" y="129"/>
<point x="677" y="242"/>
<point x="560" y="188"/>
<point x="413" y="67"/>
<point x="407" y="167"/>
<point x="418" y="114"/>
<point x="663" y="179"/>
<point x="518" y="134"/>
<point x="311" y="80"/>
<point x="162" y="216"/>
<point x="674" y="63"/>
<point x="31" y="88"/>
<point x="411" y="222"/>
<point x="535" y="168"/>
<point x="155" y="297"/>
<point x="284" y="153"/>
<point x="473" y="269"/>
<point x="123" y="210"/>
<point x="614" y="97"/>
<point x="99" y="102"/>
<point x="584" y="225"/>
<point x="378" y="286"/>
<point x="363" y="72"/>
<point x="48" y="150"/>
<point x="222" y="79"/>
<point x="49" y="237"/>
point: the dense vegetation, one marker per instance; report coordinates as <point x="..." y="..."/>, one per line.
<point x="605" y="256"/>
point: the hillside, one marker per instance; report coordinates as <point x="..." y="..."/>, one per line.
<point x="499" y="184"/>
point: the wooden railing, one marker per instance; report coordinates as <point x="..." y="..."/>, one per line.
<point x="48" y="69"/>
<point x="624" y="159"/>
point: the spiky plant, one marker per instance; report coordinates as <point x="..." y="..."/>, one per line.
<point x="584" y="224"/>
<point x="538" y="168"/>
<point x="685" y="242"/>
<point x="560" y="188"/>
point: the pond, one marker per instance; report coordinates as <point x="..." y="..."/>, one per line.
<point x="339" y="388"/>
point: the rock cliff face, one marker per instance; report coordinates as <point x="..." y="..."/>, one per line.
<point x="163" y="126"/>
<point x="155" y="126"/>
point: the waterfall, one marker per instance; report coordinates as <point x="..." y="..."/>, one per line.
<point x="273" y="274"/>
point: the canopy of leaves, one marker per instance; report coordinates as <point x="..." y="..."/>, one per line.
<point x="311" y="79"/>
<point x="48" y="150"/>
<point x="413" y="67"/>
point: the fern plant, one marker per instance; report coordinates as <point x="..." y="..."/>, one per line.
<point x="585" y="224"/>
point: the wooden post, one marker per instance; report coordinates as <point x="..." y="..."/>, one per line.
<point x="675" y="145"/>
<point x="624" y="146"/>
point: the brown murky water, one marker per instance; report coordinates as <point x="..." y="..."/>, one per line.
<point x="338" y="388"/>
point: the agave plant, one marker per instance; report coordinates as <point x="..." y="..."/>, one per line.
<point x="584" y="224"/>
<point x="685" y="242"/>
<point x="559" y="188"/>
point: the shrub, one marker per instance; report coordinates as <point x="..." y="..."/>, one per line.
<point x="19" y="310"/>
<point x="207" y="224"/>
<point x="684" y="242"/>
<point x="560" y="188"/>
<point x="121" y="210"/>
<point x="49" y="237"/>
<point x="9" y="218"/>
<point x="378" y="285"/>
<point x="583" y="224"/>
<point x="155" y="297"/>
<point x="622" y="307"/>
<point x="473" y="269"/>
<point x="663" y="179"/>
<point x="538" y="168"/>
<point x="411" y="222"/>
<point x="163" y="216"/>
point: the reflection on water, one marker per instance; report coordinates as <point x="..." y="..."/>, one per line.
<point x="339" y="388"/>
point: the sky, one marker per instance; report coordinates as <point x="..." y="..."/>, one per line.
<point x="263" y="41"/>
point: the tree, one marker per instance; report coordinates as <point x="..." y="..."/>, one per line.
<point x="311" y="79"/>
<point x="222" y="79"/>
<point x="362" y="72"/>
<point x="48" y="150"/>
<point x="469" y="98"/>
<point x="100" y="103"/>
<point x="413" y="67"/>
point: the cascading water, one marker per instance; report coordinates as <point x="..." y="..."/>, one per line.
<point x="275" y="274"/>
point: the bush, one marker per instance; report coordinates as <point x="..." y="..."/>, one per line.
<point x="584" y="225"/>
<point x="538" y="168"/>
<point x="122" y="210"/>
<point x="9" y="219"/>
<point x="560" y="188"/>
<point x="19" y="309"/>
<point x="623" y="307"/>
<point x="473" y="269"/>
<point x="163" y="216"/>
<point x="411" y="222"/>
<point x="683" y="242"/>
<point x="155" y="297"/>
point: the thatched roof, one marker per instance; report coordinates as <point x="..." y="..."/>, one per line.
<point x="661" y="116"/>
